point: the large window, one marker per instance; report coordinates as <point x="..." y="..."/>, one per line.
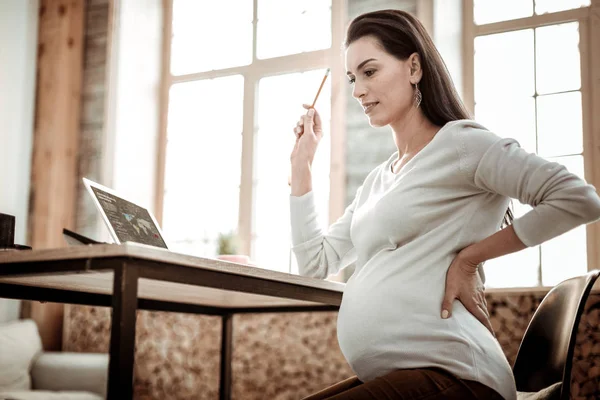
<point x="235" y="84"/>
<point x="277" y="106"/>
<point x="202" y="174"/>
<point x="528" y="67"/>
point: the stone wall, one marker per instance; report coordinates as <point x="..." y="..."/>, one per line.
<point x="93" y="100"/>
<point x="286" y="356"/>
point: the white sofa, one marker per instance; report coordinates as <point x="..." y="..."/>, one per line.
<point x="29" y="373"/>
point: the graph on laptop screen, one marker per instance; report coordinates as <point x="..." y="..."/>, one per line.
<point x="130" y="222"/>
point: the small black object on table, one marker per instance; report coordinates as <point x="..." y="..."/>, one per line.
<point x="7" y="234"/>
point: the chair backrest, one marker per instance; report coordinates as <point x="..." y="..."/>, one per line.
<point x="546" y="352"/>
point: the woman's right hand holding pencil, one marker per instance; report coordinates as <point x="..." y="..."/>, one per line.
<point x="308" y="131"/>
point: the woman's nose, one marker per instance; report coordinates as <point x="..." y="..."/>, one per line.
<point x="358" y="91"/>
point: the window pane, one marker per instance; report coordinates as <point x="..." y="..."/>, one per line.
<point x="504" y="65"/>
<point x="280" y="101"/>
<point x="557" y="58"/>
<point x="510" y="117"/>
<point x="292" y="27"/>
<point x="566" y="255"/>
<point x="488" y="11"/>
<point x="207" y="35"/>
<point x="547" y="6"/>
<point x="518" y="269"/>
<point x="202" y="172"/>
<point x="560" y="129"/>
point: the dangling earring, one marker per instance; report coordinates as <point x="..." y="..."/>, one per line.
<point x="418" y="96"/>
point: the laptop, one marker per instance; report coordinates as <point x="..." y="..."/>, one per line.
<point x="125" y="220"/>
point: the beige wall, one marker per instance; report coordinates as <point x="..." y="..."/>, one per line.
<point x="18" y="44"/>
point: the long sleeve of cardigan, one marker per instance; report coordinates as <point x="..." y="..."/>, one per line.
<point x="320" y="252"/>
<point x="560" y="199"/>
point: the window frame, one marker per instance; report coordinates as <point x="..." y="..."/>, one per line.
<point x="589" y="38"/>
<point x="252" y="73"/>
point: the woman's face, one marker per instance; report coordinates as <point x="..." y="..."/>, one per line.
<point x="382" y="83"/>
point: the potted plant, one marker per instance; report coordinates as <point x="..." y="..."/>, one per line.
<point x="227" y="248"/>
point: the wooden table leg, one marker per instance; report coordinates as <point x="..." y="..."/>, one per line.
<point x="226" y="351"/>
<point x="122" y="333"/>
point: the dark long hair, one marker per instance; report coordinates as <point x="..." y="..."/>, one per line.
<point x="401" y="34"/>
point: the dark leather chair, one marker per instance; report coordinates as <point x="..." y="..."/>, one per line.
<point x="545" y="356"/>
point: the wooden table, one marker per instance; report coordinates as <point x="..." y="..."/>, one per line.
<point x="129" y="277"/>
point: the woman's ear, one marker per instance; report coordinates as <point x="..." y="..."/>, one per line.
<point x="416" y="72"/>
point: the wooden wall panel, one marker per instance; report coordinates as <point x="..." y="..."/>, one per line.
<point x="56" y="140"/>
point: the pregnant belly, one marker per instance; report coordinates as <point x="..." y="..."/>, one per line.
<point x="403" y="325"/>
<point x="372" y="320"/>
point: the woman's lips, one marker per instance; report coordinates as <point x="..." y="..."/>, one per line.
<point x="369" y="107"/>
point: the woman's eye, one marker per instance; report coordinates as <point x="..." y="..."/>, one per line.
<point x="369" y="72"/>
<point x="351" y="81"/>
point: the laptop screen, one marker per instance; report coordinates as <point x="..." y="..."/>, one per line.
<point x="130" y="222"/>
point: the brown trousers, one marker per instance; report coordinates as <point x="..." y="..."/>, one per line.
<point x="408" y="384"/>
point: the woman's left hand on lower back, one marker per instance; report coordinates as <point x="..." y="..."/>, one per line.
<point x="464" y="283"/>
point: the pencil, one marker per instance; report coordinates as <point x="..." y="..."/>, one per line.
<point x="320" y="87"/>
<point x="313" y="106"/>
